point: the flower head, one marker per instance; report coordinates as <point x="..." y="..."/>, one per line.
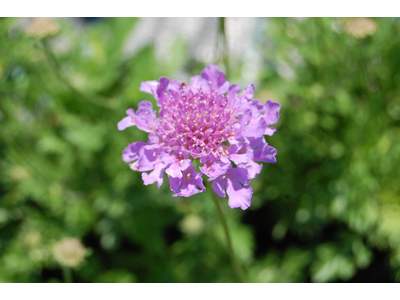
<point x="42" y="27"/>
<point x="69" y="252"/>
<point x="360" y="27"/>
<point x="208" y="121"/>
<point x="192" y="225"/>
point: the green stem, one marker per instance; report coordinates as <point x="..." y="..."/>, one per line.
<point x="235" y="263"/>
<point x="67" y="274"/>
<point x="225" y="54"/>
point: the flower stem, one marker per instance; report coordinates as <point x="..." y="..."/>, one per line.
<point x="235" y="263"/>
<point x="224" y="46"/>
<point x="67" y="274"/>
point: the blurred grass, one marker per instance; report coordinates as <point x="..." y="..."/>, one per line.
<point x="327" y="211"/>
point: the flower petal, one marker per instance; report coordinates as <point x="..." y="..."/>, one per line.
<point x="270" y="131"/>
<point x="215" y="78"/>
<point x="188" y="185"/>
<point x="149" y="157"/>
<point x="253" y="168"/>
<point x="174" y="170"/>
<point x="174" y="85"/>
<point x="164" y="81"/>
<point x="233" y="90"/>
<point x="232" y="183"/>
<point x="213" y="168"/>
<point x="197" y="82"/>
<point x="271" y="112"/>
<point x="218" y="186"/>
<point x="155" y="176"/>
<point x="249" y="92"/>
<point x="252" y="127"/>
<point x="262" y="151"/>
<point x="238" y="153"/>
<point x="239" y="196"/>
<point x="176" y="162"/>
<point x="131" y="152"/>
<point x="149" y="87"/>
<point x="145" y="118"/>
<point x="125" y="123"/>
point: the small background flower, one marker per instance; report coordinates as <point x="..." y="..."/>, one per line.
<point x="69" y="252"/>
<point x="360" y="27"/>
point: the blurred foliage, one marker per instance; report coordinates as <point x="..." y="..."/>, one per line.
<point x="327" y="211"/>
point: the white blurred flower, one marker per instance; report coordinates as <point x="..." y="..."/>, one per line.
<point x="69" y="252"/>
<point x="42" y="27"/>
<point x="192" y="225"/>
<point x="360" y="27"/>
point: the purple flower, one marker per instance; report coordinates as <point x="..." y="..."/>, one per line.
<point x="210" y="122"/>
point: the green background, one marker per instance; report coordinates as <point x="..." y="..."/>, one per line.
<point x="327" y="211"/>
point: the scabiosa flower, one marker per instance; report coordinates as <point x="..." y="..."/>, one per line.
<point x="208" y="123"/>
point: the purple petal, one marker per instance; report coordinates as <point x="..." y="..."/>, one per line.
<point x="270" y="131"/>
<point x="149" y="87"/>
<point x="234" y="89"/>
<point x="253" y="169"/>
<point x="131" y="152"/>
<point x="271" y="115"/>
<point x="176" y="162"/>
<point x="174" y="85"/>
<point x="213" y="168"/>
<point x="130" y="112"/>
<point x="164" y="81"/>
<point x="256" y="107"/>
<point x="249" y="92"/>
<point x="174" y="170"/>
<point x="149" y="157"/>
<point x="238" y="153"/>
<point x="125" y="123"/>
<point x="267" y="154"/>
<point x="232" y="183"/>
<point x="239" y="196"/>
<point x="145" y="118"/>
<point x="175" y="184"/>
<point x="252" y="127"/>
<point x="153" y="139"/>
<point x="155" y="176"/>
<point x="256" y="130"/>
<point x="262" y="151"/>
<point x="186" y="163"/>
<point x="197" y="82"/>
<point x="188" y="185"/>
<point x="240" y="174"/>
<point x="218" y="186"/>
<point x="223" y="88"/>
<point x="215" y="78"/>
